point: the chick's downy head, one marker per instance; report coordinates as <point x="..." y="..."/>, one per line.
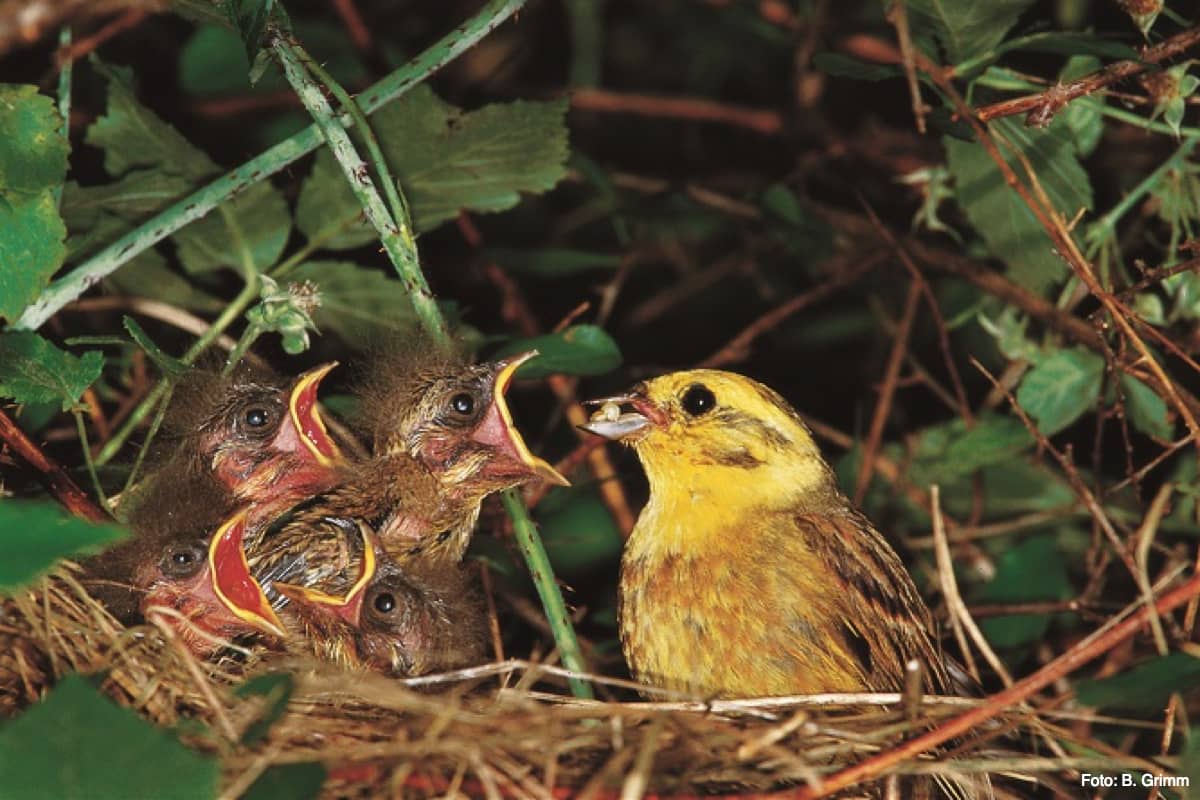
<point x="254" y="432"/>
<point x="709" y="432"/>
<point x="454" y="419"/>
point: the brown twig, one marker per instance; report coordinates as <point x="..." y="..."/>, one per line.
<point x="759" y="120"/>
<point x="897" y="15"/>
<point x="887" y="391"/>
<point x="739" y="347"/>
<point x="130" y="19"/>
<point x="65" y="490"/>
<point x="1040" y="108"/>
<point x="1083" y="652"/>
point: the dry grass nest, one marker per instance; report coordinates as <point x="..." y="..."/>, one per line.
<point x="505" y="729"/>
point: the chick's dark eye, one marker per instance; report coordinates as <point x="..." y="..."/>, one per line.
<point x="183" y="561"/>
<point x="463" y="403"/>
<point x="698" y="400"/>
<point x="385" y="602"/>
<point x="257" y="417"/>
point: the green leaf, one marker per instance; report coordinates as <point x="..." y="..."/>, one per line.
<point x="149" y="276"/>
<point x="579" y="350"/>
<point x="32" y="370"/>
<point x="249" y="18"/>
<point x="1147" y="411"/>
<point x="38" y="534"/>
<point x="1143" y="689"/>
<point x="950" y="450"/>
<point x="276" y="689"/>
<point x="213" y="62"/>
<point x="132" y="135"/>
<point x="552" y="262"/>
<point x="1030" y="572"/>
<point x="843" y="66"/>
<point x="359" y="304"/>
<point x="33" y="164"/>
<point x="1189" y="759"/>
<point x="964" y="28"/>
<point x="31" y="249"/>
<point x="1001" y="217"/>
<point x="1061" y="388"/>
<point x="33" y="152"/>
<point x="1071" y="43"/>
<point x="293" y="781"/>
<point x="169" y="365"/>
<point x="1084" y="116"/>
<point x="263" y="224"/>
<point x="78" y="745"/>
<point x="446" y="160"/>
<point x="577" y="530"/>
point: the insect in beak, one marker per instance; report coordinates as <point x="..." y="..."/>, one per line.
<point x="612" y="423"/>
<point x="231" y="579"/>
<point x="497" y="430"/>
<point x="306" y="416"/>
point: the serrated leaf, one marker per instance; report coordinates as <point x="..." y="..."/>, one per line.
<point x="38" y="534"/>
<point x="1084" y="117"/>
<point x="964" y="28"/>
<point x="293" y="781"/>
<point x="446" y="160"/>
<point x="1145" y="688"/>
<point x="78" y="745"/>
<point x="33" y="152"/>
<point x="579" y="350"/>
<point x="552" y="262"/>
<point x="32" y="370"/>
<point x="132" y="135"/>
<point x="1061" y="388"/>
<point x="360" y="304"/>
<point x="1147" y="411"/>
<point x="263" y="224"/>
<point x="1032" y="571"/>
<point x="1000" y="216"/>
<point x="577" y="530"/>
<point x="31" y="249"/>
<point x="33" y="164"/>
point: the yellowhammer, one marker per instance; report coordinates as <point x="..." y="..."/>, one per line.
<point x="748" y="572"/>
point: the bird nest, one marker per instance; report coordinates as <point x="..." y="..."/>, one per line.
<point x="499" y="730"/>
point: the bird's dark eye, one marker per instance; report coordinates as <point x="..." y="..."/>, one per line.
<point x="698" y="399"/>
<point x="463" y="403"/>
<point x="385" y="602"/>
<point x="257" y="417"/>
<point x="182" y="560"/>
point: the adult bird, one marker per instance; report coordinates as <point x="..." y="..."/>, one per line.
<point x="748" y="572"/>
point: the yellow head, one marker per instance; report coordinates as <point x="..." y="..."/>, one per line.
<point x="719" y="435"/>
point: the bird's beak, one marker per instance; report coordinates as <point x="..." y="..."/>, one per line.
<point x="231" y="579"/>
<point x="306" y="416"/>
<point x="349" y="606"/>
<point x="497" y="430"/>
<point x="612" y="423"/>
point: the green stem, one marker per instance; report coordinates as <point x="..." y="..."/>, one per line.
<point x="1109" y="221"/>
<point x="81" y="428"/>
<point x="391" y="187"/>
<point x="542" y="572"/>
<point x="201" y="202"/>
<point x="220" y="324"/>
<point x="154" y="426"/>
<point x="249" y="336"/>
<point x="64" y="94"/>
<point x="400" y="250"/>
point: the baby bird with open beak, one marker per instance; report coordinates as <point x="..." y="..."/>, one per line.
<point x="453" y="420"/>
<point x="381" y="617"/>
<point x="251" y="441"/>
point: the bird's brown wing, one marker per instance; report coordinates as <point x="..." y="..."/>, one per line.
<point x="886" y="622"/>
